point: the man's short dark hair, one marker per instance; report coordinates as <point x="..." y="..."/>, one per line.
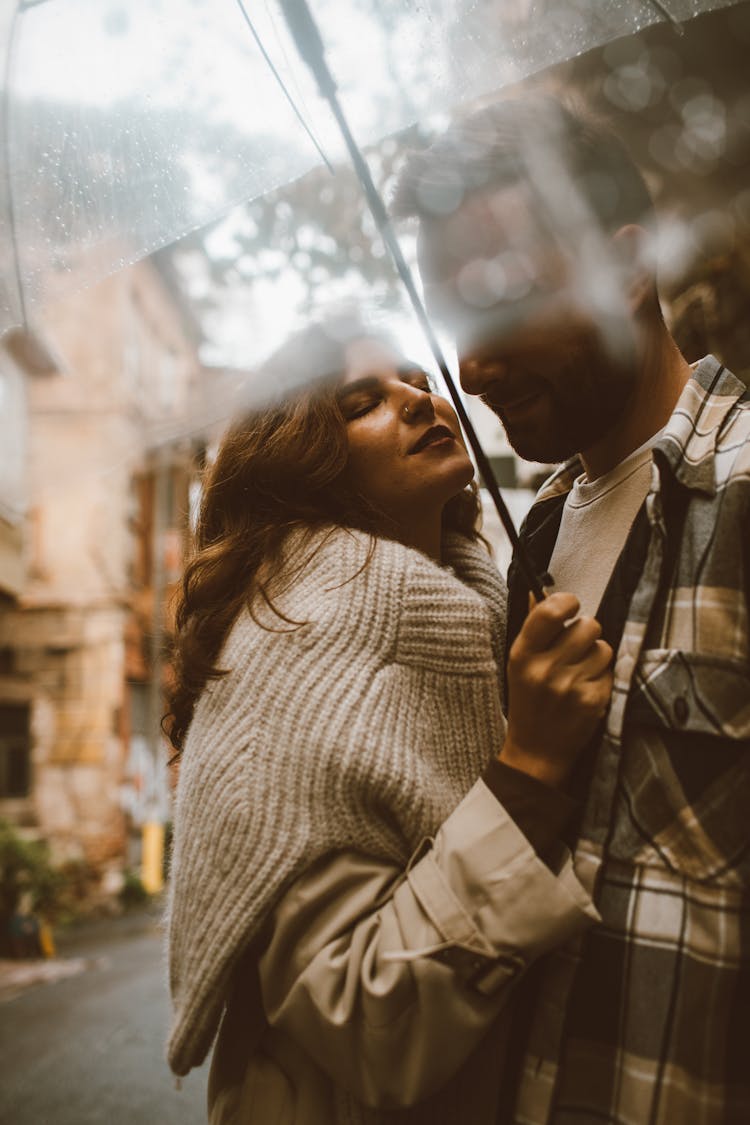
<point x="524" y="140"/>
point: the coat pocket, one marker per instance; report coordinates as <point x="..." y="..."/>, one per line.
<point x="685" y="778"/>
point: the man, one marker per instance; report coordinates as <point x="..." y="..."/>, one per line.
<point x="535" y="246"/>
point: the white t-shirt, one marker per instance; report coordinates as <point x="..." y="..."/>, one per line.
<point x="595" y="523"/>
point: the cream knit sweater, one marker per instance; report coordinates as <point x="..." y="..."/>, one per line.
<point x="363" y="727"/>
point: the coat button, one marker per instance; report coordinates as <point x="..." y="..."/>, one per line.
<point x="681" y="709"/>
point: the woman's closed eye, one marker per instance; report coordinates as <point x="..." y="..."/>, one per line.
<point x="364" y="395"/>
<point x="356" y="406"/>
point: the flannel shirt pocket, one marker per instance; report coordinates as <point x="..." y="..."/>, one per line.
<point x="686" y="766"/>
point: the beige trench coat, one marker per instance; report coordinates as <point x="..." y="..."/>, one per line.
<point x="378" y="994"/>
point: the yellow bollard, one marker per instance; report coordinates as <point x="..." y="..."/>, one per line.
<point x="152" y="863"/>
<point x="46" y="940"/>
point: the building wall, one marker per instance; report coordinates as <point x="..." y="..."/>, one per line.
<point x="68" y="668"/>
<point x="75" y="646"/>
<point x="13" y="479"/>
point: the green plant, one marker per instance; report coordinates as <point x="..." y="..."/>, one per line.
<point x="79" y="881"/>
<point x="132" y="892"/>
<point x="26" y="870"/>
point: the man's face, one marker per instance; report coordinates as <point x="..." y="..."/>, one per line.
<point x="533" y="339"/>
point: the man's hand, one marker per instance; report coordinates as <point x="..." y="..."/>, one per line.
<point x="560" y="683"/>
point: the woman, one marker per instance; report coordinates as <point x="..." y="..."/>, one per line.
<point x="346" y="887"/>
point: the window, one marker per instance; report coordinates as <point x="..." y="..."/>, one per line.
<point x="15" y="750"/>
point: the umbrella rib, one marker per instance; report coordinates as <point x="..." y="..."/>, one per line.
<point x="382" y="221"/>
<point x="285" y="91"/>
<point x="306" y="35"/>
<point x="676" y="24"/>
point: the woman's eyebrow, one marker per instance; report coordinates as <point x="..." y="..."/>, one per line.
<point x="366" y="383"/>
<point x="405" y="371"/>
<point x="409" y="371"/>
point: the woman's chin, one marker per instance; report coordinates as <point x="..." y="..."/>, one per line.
<point x="464" y="475"/>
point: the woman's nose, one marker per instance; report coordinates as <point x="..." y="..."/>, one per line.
<point x="418" y="405"/>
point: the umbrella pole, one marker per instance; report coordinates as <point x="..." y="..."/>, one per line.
<point x="307" y="38"/>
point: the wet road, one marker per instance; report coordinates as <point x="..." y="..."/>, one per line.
<point x="89" y="1049"/>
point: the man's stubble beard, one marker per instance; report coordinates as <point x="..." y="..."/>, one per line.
<point x="587" y="400"/>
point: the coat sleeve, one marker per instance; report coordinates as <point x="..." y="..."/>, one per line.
<point x="389" y="978"/>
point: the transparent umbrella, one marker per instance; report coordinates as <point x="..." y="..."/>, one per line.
<point x="124" y="126"/>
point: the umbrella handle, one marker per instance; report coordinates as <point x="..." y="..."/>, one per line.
<point x="309" y="43"/>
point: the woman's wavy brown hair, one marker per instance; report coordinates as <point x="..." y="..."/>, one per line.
<point x="279" y="468"/>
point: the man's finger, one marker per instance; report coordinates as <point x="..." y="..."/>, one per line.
<point x="596" y="661"/>
<point x="577" y="639"/>
<point x="598" y="693"/>
<point x="546" y="621"/>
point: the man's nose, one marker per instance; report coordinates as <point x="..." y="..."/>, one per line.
<point x="477" y="373"/>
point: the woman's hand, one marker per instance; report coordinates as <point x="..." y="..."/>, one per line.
<point x="559" y="685"/>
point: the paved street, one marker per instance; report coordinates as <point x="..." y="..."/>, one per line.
<point x="88" y="1049"/>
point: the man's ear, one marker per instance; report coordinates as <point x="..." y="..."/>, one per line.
<point x="632" y="245"/>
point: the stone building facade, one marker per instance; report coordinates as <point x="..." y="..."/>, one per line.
<point x="97" y="530"/>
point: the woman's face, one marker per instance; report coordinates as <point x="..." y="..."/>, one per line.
<point x="406" y="453"/>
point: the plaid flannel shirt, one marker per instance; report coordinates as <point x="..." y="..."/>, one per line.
<point x="647" y="1020"/>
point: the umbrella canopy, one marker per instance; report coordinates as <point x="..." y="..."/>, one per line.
<point x="126" y="126"/>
